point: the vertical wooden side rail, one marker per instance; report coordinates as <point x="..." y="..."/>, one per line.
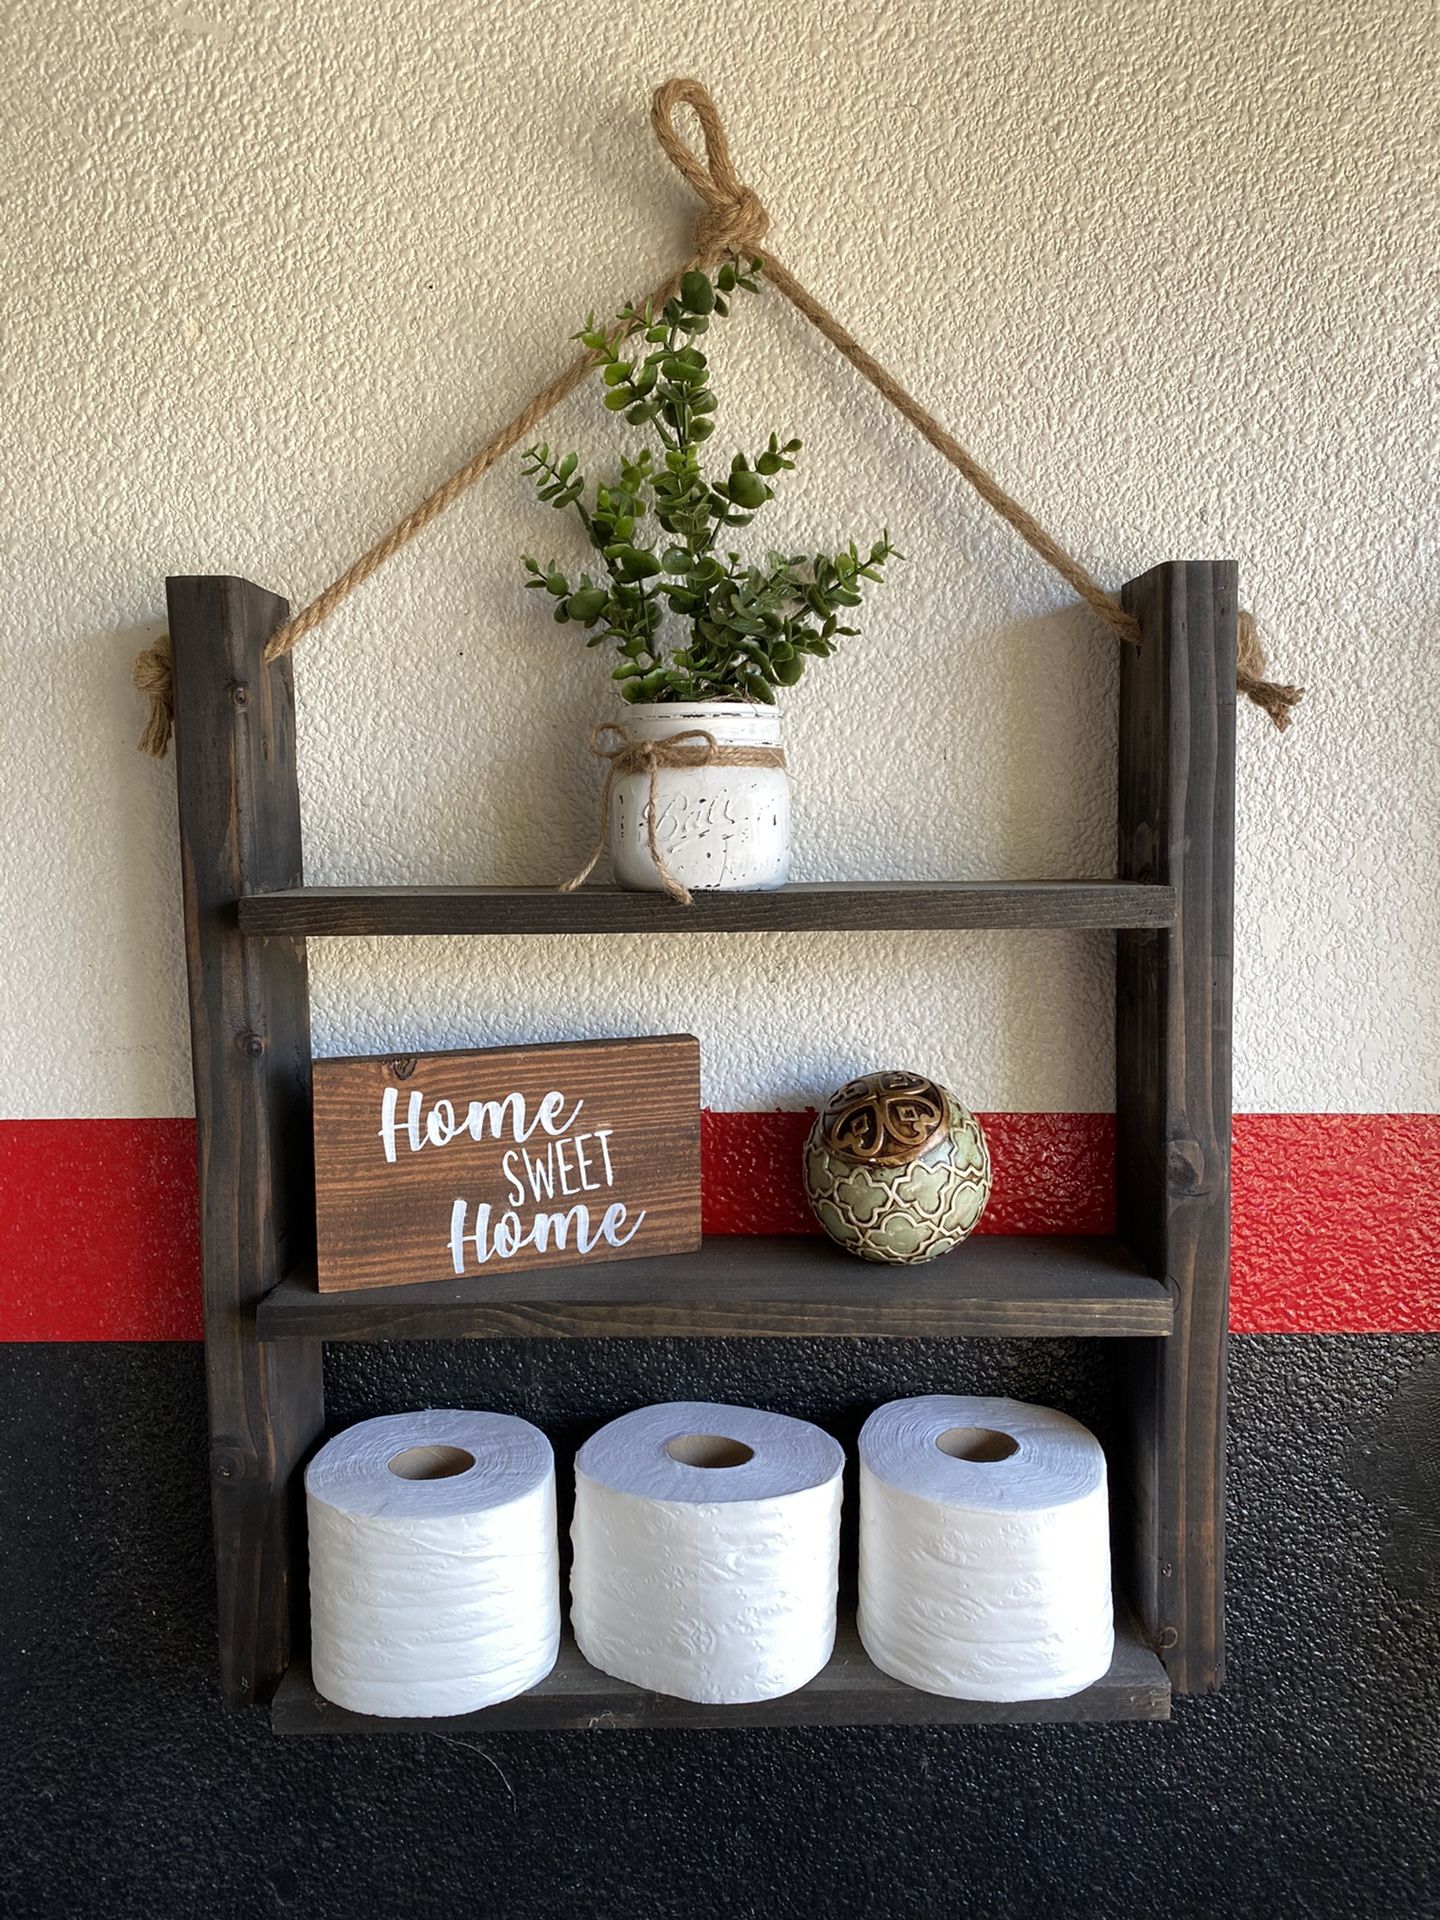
<point x="250" y="1034"/>
<point x="1172" y="1095"/>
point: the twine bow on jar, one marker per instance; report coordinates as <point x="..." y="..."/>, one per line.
<point x="625" y="754"/>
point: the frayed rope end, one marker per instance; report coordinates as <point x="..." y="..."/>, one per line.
<point x="151" y="676"/>
<point x="1271" y="696"/>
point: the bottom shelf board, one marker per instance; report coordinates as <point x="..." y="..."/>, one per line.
<point x="850" y="1692"/>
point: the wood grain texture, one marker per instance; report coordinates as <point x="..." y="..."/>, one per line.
<point x="250" y="1028"/>
<point x="850" y="1692"/>
<point x="1173" y="1040"/>
<point x="826" y="907"/>
<point x="745" y="1287"/>
<point x="562" y="1143"/>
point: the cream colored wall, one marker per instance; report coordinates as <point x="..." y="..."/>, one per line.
<point x="270" y="271"/>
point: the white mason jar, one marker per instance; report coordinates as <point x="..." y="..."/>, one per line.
<point x="715" y="826"/>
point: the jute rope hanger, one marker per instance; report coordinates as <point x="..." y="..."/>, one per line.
<point x="732" y="221"/>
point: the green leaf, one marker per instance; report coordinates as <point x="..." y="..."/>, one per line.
<point x="748" y="490"/>
<point x="617" y="398"/>
<point x="588" y="604"/>
<point x="696" y="291"/>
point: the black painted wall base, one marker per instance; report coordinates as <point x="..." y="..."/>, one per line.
<point x="1310" y="1787"/>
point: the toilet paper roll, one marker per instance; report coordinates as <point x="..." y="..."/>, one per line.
<point x="707" y="1543"/>
<point x="984" y="1548"/>
<point x="434" y="1563"/>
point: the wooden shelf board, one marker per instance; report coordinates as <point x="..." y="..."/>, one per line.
<point x="850" y="1692"/>
<point x="821" y="907"/>
<point x="795" y="1285"/>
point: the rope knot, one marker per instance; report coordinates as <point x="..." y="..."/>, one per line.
<point x="736" y="226"/>
<point x="151" y="675"/>
<point x="734" y="219"/>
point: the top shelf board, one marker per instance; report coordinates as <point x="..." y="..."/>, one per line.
<point x="818" y="907"/>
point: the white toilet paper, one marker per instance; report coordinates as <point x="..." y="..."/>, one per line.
<point x="984" y="1548"/>
<point x="434" y="1563"/>
<point x="707" y="1543"/>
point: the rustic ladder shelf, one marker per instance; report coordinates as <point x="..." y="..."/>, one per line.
<point x="1161" y="1286"/>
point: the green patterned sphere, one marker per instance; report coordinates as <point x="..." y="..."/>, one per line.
<point x="896" y="1169"/>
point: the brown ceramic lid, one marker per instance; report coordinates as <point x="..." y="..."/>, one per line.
<point x="884" y="1119"/>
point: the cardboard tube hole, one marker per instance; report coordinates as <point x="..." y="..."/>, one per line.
<point x="708" y="1450"/>
<point x="976" y="1443"/>
<point x="431" y="1463"/>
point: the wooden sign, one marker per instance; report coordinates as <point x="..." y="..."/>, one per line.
<point x="447" y="1165"/>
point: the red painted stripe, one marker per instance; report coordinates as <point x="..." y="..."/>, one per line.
<point x="1336" y="1225"/>
<point x="1337" y="1216"/>
<point x="1053" y="1173"/>
<point x="98" y="1234"/>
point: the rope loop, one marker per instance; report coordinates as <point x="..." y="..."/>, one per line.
<point x="735" y="219"/>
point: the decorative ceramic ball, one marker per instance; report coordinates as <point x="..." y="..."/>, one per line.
<point x="896" y="1169"/>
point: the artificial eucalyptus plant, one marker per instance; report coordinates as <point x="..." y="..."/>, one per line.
<point x="749" y="628"/>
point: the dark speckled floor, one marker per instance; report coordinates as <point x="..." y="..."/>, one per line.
<point x="1311" y="1787"/>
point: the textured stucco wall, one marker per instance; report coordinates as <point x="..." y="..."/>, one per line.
<point x="272" y="270"/>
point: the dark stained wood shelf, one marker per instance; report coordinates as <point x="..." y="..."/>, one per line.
<point x="849" y="1693"/>
<point x="823" y="907"/>
<point x="996" y="1284"/>
<point x="247" y="916"/>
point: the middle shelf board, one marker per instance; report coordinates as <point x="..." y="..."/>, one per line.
<point x="758" y="1287"/>
<point x="820" y="907"/>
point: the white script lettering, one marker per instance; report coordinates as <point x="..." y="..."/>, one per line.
<point x="441" y="1125"/>
<point x="507" y="1236"/>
